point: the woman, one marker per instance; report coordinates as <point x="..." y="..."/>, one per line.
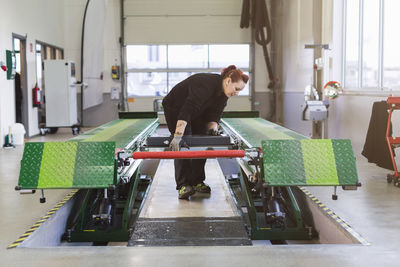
<point x="195" y="106"/>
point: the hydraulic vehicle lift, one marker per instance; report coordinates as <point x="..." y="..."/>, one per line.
<point x="104" y="164"/>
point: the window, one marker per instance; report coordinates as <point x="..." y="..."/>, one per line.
<point x="372" y="58"/>
<point x="17" y="51"/>
<point x="391" y="40"/>
<point x="153" y="70"/>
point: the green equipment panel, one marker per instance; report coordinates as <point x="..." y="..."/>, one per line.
<point x="67" y="165"/>
<point x="305" y="162"/>
<point x="254" y="130"/>
<point x="291" y="159"/>
<point x="86" y="161"/>
<point x="121" y="131"/>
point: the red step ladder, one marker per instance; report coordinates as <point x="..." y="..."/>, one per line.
<point x="393" y="142"/>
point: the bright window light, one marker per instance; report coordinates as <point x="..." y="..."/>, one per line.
<point x="373" y="62"/>
<point x="391" y="56"/>
<point x="153" y="70"/>
<point x="352" y="48"/>
<point x="147" y="84"/>
<point x="146" y="56"/>
<point x="370" y="67"/>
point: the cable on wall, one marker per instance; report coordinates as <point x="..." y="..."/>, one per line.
<point x="261" y="24"/>
<point x="255" y="13"/>
<point x="82" y="42"/>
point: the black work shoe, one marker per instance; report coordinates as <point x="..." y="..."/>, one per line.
<point x="185" y="192"/>
<point x="202" y="188"/>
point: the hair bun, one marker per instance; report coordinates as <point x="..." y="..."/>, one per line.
<point x="228" y="69"/>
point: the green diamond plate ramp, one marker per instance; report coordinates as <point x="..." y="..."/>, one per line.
<point x="58" y="163"/>
<point x="30" y="165"/>
<point x="94" y="166"/>
<point x="254" y="130"/>
<point x="309" y="162"/>
<point x="67" y="165"/>
<point x="345" y="161"/>
<point x="122" y="132"/>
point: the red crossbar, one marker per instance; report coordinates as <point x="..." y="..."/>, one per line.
<point x="189" y="154"/>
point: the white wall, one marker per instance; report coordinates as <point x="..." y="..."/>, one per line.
<point x="296" y="30"/>
<point x="41" y="20"/>
<point x="73" y="11"/>
<point x="349" y="114"/>
<point x="57" y="23"/>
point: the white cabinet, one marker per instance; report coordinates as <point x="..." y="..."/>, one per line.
<point x="60" y="93"/>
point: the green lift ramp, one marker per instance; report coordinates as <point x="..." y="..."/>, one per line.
<point x="111" y="185"/>
<point x="284" y="160"/>
<point x="88" y="162"/>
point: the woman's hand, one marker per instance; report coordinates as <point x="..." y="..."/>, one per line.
<point x="213" y="128"/>
<point x="177" y="143"/>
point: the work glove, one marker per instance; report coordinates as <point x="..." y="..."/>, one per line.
<point x="214" y="132"/>
<point x="177" y="143"/>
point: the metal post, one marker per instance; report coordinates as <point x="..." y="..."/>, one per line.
<point x="122" y="49"/>
<point x="252" y="68"/>
<point x="317" y="77"/>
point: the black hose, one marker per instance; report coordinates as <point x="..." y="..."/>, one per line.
<point x="262" y="20"/>
<point x="245" y="18"/>
<point x="82" y="43"/>
<point x="264" y="38"/>
<point x="261" y="24"/>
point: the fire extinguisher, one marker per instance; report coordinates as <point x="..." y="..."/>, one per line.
<point x="36" y="97"/>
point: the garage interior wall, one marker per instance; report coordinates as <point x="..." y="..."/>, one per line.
<point x="41" y="20"/>
<point x="349" y="114"/>
<point x="185" y="22"/>
<point x="155" y="21"/>
<point x="169" y="22"/>
<point x="73" y="12"/>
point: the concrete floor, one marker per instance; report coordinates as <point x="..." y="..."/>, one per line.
<point x="217" y="204"/>
<point x="373" y="211"/>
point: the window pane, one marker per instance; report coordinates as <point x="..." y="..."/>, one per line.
<point x="147" y="84"/>
<point x="221" y="56"/>
<point x="16" y="44"/>
<point x="146" y="56"/>
<point x="39" y="69"/>
<point x="187" y="56"/>
<point x="352" y="49"/>
<point x="18" y="62"/>
<point x="391" y="58"/>
<point x="371" y="44"/>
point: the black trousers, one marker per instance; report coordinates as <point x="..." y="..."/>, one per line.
<point x="187" y="171"/>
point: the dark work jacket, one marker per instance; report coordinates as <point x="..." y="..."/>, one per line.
<point x="200" y="95"/>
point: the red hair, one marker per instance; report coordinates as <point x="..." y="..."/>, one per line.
<point x="234" y="73"/>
